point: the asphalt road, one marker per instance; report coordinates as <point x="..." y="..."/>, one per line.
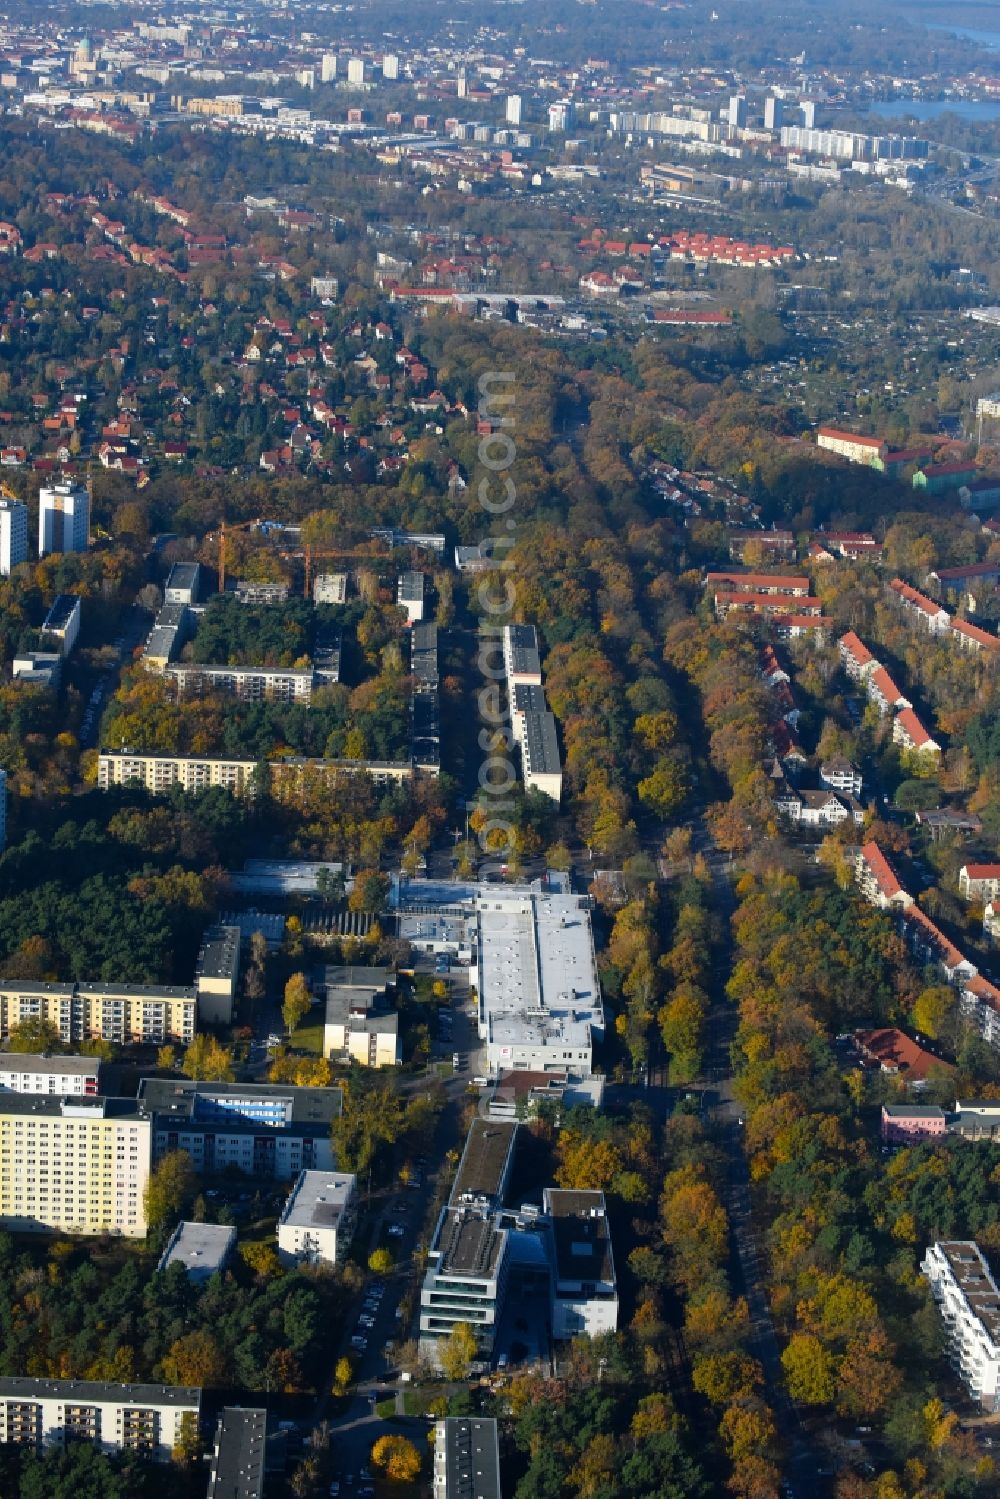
<point x="135" y="627"/>
<point x="802" y="1464"/>
<point x="353" y="1424"/>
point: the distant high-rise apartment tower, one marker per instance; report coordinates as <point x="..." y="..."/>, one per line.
<point x="560" y="115"/>
<point x="306" y="77"/>
<point x="13" y="535"/>
<point x="356" y="70"/>
<point x="328" y="67"/>
<point x="808" y="108"/>
<point x="63" y="519"/>
<point x="390" y="66"/>
<point x="738" y="110"/>
<point x="513" y="109"/>
<point x="774" y="113"/>
<point x="462" y="87"/>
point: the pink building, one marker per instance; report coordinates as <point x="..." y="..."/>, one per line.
<point x="908" y="1124"/>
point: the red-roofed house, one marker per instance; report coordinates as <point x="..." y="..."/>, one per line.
<point x="972" y="638"/>
<point x="894" y="1052"/>
<point x="930" y="945"/>
<point x="763" y="603"/>
<point x="878" y="882"/>
<point x="979" y="1002"/>
<point x="884" y="693"/>
<point x="759" y="583"/>
<point x="869" y="450"/>
<point x="856" y="658"/>
<point x="852" y="544"/>
<point x="909" y="732"/>
<point x="924" y="609"/>
<point x="979" y="882"/>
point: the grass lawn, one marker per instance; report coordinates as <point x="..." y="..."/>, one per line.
<point x="309" y="1036"/>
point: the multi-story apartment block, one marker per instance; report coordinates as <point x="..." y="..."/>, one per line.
<point x="150" y="1420"/>
<point x="867" y="450"/>
<point x="926" y="611"/>
<point x="73" y="1165"/>
<point x="909" y="733"/>
<point x="122" y="1013"/>
<point x="238" y="1457"/>
<point x="856" y="659"/>
<point x="54" y="1076"/>
<point x="540" y="760"/>
<point x="217" y="974"/>
<point x="13" y="535"/>
<point x="265" y="1130"/>
<point x="159" y="773"/>
<point x="183" y="584"/>
<point x="969" y="1303"/>
<point x="787" y="586"/>
<point x="878" y="881"/>
<point x="61" y="625"/>
<point x="840" y="774"/>
<point x="466" y="1458"/>
<point x="979" y="1002"/>
<point x="520" y="656"/>
<point x="317" y="1222"/>
<point x="883" y="692"/>
<point x="63" y="519"/>
<point x="249" y="683"/>
<point x="361" y="1020"/>
<point x="979" y="882"/>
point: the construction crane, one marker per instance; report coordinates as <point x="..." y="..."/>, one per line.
<point x="309" y="556"/>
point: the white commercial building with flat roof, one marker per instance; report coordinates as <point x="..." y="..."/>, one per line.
<point x="540" y="1007"/>
<point x="317" y="1222"/>
<point x="968" y="1300"/>
<point x="202" y="1248"/>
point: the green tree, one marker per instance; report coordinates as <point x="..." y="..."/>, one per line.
<point x="33" y="1036"/>
<point x="207" y="1060"/>
<point x="397" y="1458"/>
<point x="342" y="1376"/>
<point x="457" y="1352"/>
<point x="195" y="1359"/>
<point x="933" y="1009"/>
<point x="809" y="1370"/>
<point x="171" y="1185"/>
<point x="297" y="1002"/>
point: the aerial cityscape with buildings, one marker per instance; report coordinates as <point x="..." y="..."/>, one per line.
<point x="500" y="750"/>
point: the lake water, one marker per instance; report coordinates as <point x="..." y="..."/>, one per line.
<point x="989" y="39"/>
<point x="931" y="109"/>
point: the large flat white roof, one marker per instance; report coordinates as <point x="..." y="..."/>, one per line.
<point x="318" y="1199"/>
<point x="538" y="973"/>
